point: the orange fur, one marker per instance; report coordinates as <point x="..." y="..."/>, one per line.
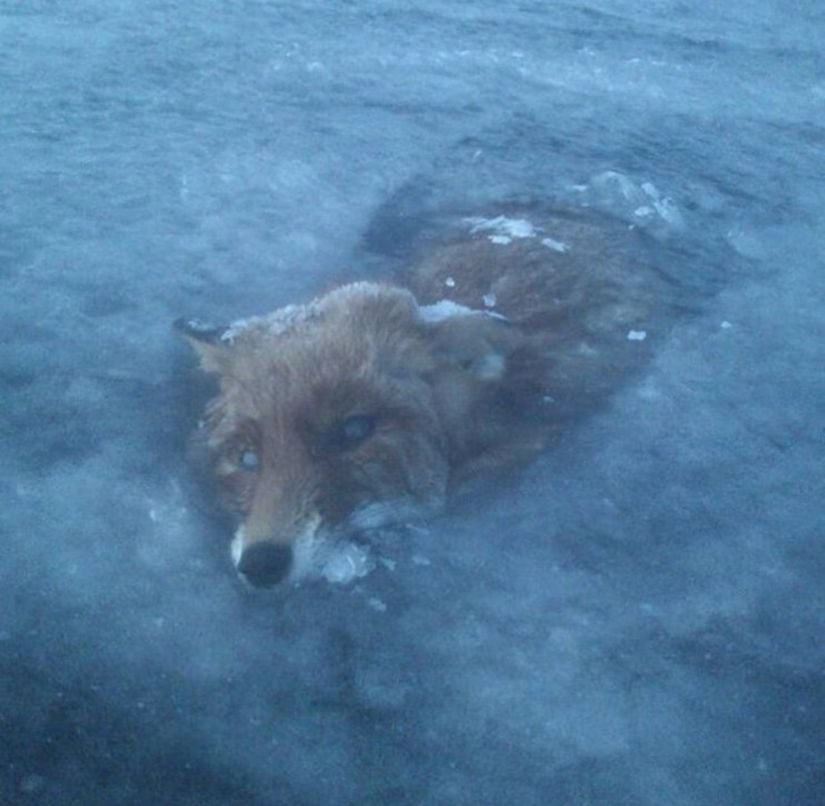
<point x="362" y="406"/>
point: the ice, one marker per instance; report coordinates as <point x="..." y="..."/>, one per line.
<point x="556" y="246"/>
<point x="443" y="309"/>
<point x="747" y="242"/>
<point x="633" y="617"/>
<point x="503" y="229"/>
<point x="346" y="563"/>
<point x="640" y="204"/>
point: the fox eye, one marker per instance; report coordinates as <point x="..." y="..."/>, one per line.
<point x="248" y="460"/>
<point x="357" y="428"/>
<point x="349" y="433"/>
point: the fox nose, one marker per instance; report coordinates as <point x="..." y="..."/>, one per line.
<point x="265" y="564"/>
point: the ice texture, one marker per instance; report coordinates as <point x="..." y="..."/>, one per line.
<point x="635" y="617"/>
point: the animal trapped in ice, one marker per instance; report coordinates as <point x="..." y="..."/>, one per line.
<point x="366" y="405"/>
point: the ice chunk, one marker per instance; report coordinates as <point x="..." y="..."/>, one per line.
<point x="345" y="563"/>
<point x="617" y="194"/>
<point x="502" y="227"/>
<point x="441" y="310"/>
<point x="556" y="246"/>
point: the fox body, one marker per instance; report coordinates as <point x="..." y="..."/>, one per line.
<point x="363" y="406"/>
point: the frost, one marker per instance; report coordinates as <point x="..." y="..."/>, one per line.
<point x="441" y="310"/>
<point x="447" y="309"/>
<point x="550" y="641"/>
<point x="277" y="323"/>
<point x="346" y="563"/>
<point x="338" y="560"/>
<point x="746" y="242"/>
<point x="556" y="246"/>
<point x="502" y="227"/>
<point x="619" y="195"/>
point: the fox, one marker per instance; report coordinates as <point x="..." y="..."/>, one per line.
<point x="365" y="406"/>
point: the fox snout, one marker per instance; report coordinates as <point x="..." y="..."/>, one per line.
<point x="263" y="546"/>
<point x="264" y="564"/>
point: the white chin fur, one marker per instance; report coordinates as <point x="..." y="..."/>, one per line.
<point x="315" y="554"/>
<point x="236" y="548"/>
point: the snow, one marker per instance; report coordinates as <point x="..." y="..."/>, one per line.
<point x="441" y="310"/>
<point x="634" y="617"/>
<point x="345" y="563"/>
<point x="503" y="229"/>
<point x="556" y="246"/>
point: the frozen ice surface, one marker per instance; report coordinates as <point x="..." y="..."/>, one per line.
<point x="634" y="618"/>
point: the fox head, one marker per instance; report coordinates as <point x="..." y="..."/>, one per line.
<point x="349" y="412"/>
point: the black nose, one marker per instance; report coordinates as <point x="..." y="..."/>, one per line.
<point x="265" y="564"/>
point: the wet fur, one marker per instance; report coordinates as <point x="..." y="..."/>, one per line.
<point x="438" y="398"/>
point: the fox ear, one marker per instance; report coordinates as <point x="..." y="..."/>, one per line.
<point x="476" y="344"/>
<point x="207" y="342"/>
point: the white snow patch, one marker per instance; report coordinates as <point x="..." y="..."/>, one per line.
<point x="449" y="282"/>
<point x="376" y="604"/>
<point x="726" y="325"/>
<point x="637" y="335"/>
<point x="346" y="562"/>
<point x="556" y="246"/>
<point x="446" y="309"/>
<point x="502" y="227"/>
<point x="501" y="240"/>
<point x="441" y="310"/>
<point x="236" y="547"/>
<point x="276" y="323"/>
<point x="489" y="300"/>
<point x="619" y="194"/>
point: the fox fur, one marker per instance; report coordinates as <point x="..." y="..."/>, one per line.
<point x="362" y="407"/>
